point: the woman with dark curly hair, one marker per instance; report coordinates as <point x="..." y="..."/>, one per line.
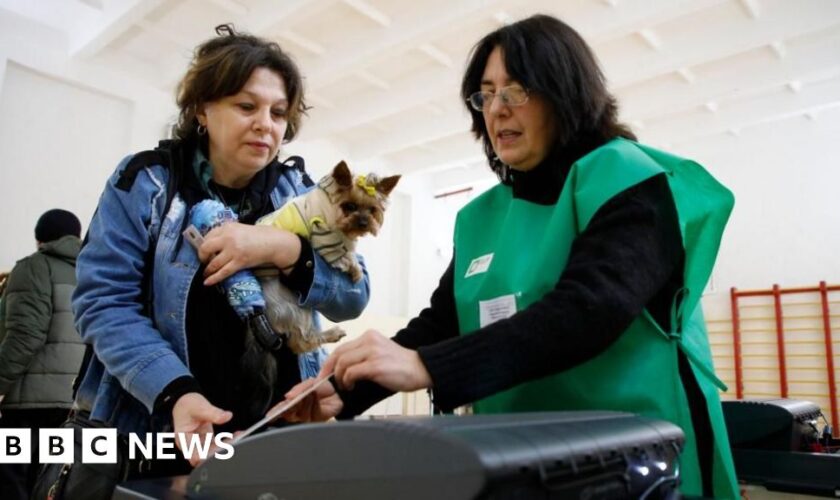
<point x="168" y="353"/>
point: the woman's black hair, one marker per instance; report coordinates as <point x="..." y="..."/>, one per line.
<point x="548" y="58"/>
<point x="222" y="65"/>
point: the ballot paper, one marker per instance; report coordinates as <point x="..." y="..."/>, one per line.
<point x="279" y="410"/>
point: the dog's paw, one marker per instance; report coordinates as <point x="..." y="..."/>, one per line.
<point x="355" y="273"/>
<point x="333" y="334"/>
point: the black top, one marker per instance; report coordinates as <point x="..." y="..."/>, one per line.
<point x="629" y="257"/>
<point x="215" y="334"/>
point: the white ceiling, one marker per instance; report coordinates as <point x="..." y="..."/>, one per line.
<point x="383" y="75"/>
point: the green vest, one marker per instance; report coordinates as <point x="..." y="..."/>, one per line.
<point x="514" y="251"/>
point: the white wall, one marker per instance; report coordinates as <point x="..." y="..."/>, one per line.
<point x="58" y="143"/>
<point x="785" y="227"/>
<point x="64" y="125"/>
<point x="320" y="156"/>
<point x="384" y="257"/>
<point x="431" y="243"/>
<point x="785" y="230"/>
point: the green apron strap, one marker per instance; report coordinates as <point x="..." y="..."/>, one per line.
<point x="676" y="316"/>
<point x="708" y="372"/>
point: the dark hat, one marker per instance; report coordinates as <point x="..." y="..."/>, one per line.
<point x="56" y="223"/>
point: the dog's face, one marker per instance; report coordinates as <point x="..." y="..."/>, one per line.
<point x="361" y="201"/>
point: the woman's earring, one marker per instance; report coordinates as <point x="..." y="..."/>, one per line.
<point x="201" y="129"/>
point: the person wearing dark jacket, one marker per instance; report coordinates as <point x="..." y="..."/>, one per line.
<point x="575" y="282"/>
<point x="40" y="350"/>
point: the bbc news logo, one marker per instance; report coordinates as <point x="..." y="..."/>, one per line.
<point x="99" y="446"/>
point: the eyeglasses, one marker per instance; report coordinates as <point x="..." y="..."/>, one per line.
<point x="511" y="96"/>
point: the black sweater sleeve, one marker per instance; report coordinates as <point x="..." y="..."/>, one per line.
<point x="629" y="257"/>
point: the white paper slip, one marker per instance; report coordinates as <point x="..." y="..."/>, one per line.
<point x="283" y="408"/>
<point x="491" y="311"/>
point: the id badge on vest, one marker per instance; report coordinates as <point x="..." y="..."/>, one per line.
<point x="493" y="310"/>
<point x="490" y="311"/>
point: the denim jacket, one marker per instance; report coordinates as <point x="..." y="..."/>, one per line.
<point x="138" y="353"/>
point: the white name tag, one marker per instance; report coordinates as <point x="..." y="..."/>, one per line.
<point x="491" y="311"/>
<point x="479" y="265"/>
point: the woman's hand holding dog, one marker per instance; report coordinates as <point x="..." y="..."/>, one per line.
<point x="235" y="246"/>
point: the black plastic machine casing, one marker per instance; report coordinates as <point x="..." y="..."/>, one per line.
<point x="771" y="424"/>
<point x="770" y="441"/>
<point x="533" y="456"/>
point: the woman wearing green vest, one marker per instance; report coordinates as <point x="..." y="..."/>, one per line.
<point x="575" y="282"/>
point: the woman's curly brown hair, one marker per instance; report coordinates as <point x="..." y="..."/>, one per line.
<point x="222" y="65"/>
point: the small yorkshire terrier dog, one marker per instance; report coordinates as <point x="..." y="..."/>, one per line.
<point x="332" y="217"/>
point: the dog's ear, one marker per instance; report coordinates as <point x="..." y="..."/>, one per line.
<point x="341" y="174"/>
<point x="386" y="185"/>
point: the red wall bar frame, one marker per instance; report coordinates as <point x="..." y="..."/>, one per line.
<point x="776" y="292"/>
<point x="829" y="355"/>
<point x="780" y="341"/>
<point x="736" y="337"/>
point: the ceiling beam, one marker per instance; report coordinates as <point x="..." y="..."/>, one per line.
<point x="416" y="25"/>
<point x="369" y="11"/>
<point x="374" y="104"/>
<point x="805" y="62"/>
<point x="687" y="75"/>
<point x="771" y="106"/>
<point x="431" y="84"/>
<point x="96" y="4"/>
<point x="48" y="56"/>
<point x="650" y="38"/>
<point x="421" y="128"/>
<point x="436" y="54"/>
<point x="781" y="20"/>
<point x="455" y="152"/>
<point x="268" y="14"/>
<point x="114" y="20"/>
<point x="779" y="49"/>
<point x="302" y="41"/>
<point x="52" y="14"/>
<point x="735" y="117"/>
<point x="631" y="16"/>
<point x="655" y="103"/>
<point x="231" y="6"/>
<point x="371" y="79"/>
<point x="266" y="17"/>
<point x="752" y="8"/>
<point x="173" y="36"/>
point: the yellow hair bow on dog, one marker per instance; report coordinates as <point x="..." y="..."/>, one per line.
<point x="369" y="188"/>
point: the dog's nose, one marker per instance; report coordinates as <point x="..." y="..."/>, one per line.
<point x="363" y="222"/>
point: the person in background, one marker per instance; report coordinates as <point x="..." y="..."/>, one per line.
<point x="167" y="347"/>
<point x="575" y="282"/>
<point x="40" y="350"/>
